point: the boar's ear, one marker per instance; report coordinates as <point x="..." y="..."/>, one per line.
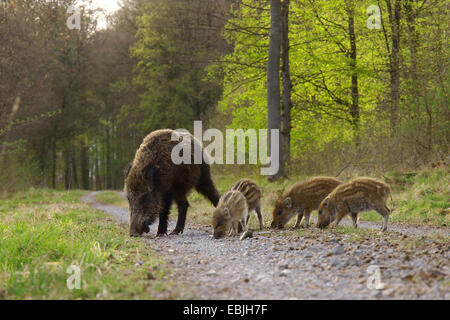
<point x="151" y="176"/>
<point x="325" y="202"/>
<point x="226" y="211"/>
<point x="287" y="202"/>
<point x="127" y="169"/>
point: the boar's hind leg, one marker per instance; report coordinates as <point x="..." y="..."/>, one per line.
<point x="307" y="214"/>
<point x="242" y="226"/>
<point x="354" y="219"/>
<point x="206" y="186"/>
<point x="164" y="216"/>
<point x="260" y="218"/>
<point x="183" y="205"/>
<point x="234" y="228"/>
<point x="384" y="211"/>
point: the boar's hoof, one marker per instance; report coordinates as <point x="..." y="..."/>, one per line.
<point x="246" y="234"/>
<point x="161" y="234"/>
<point x="176" y="232"/>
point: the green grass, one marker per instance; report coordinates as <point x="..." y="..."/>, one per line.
<point x="418" y="198"/>
<point x="112" y="198"/>
<point x="356" y="234"/>
<point x="43" y="232"/>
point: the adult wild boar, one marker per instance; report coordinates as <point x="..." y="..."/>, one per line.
<point x="153" y="181"/>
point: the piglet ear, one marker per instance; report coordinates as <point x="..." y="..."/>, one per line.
<point x="287" y="202"/>
<point x="151" y="176"/>
<point x="127" y="169"/>
<point x="325" y="202"/>
<point x="226" y="211"/>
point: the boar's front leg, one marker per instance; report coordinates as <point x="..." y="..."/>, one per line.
<point x="341" y="213"/>
<point x="182" y="205"/>
<point x="243" y="224"/>
<point x="164" y="216"/>
<point x="260" y="218"/>
<point x="234" y="228"/>
<point x="299" y="219"/>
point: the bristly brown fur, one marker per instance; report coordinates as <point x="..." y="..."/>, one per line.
<point x="253" y="194"/>
<point x="358" y="195"/>
<point x="302" y="198"/>
<point x="153" y="181"/>
<point x="231" y="211"/>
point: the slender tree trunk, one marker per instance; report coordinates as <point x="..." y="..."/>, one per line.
<point x="74" y="169"/>
<point x="98" y="179"/>
<point x="394" y="70"/>
<point x="108" y="158"/>
<point x="84" y="166"/>
<point x="413" y="46"/>
<point x="354" y="109"/>
<point x="287" y="84"/>
<point x="53" y="147"/>
<point x="67" y="170"/>
<point x="273" y="79"/>
<point x="429" y="131"/>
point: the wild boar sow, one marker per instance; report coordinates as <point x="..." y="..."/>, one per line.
<point x="231" y="211"/>
<point x="153" y="182"/>
<point x="252" y="194"/>
<point x="361" y="194"/>
<point x="301" y="199"/>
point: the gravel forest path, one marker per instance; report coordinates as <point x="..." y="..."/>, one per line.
<point x="412" y="261"/>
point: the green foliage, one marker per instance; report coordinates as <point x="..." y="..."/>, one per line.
<point x="169" y="69"/>
<point x="321" y="73"/>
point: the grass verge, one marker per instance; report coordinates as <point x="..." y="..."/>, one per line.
<point x="44" y="232"/>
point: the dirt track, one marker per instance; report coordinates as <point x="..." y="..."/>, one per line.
<point x="316" y="264"/>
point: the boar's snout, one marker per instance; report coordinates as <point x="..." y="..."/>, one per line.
<point x="320" y="225"/>
<point x="323" y="222"/>
<point x="276" y="225"/>
<point x="137" y="232"/>
<point x="218" y="234"/>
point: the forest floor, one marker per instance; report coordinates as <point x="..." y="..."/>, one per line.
<point x="412" y="260"/>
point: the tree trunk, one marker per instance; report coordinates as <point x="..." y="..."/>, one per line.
<point x="98" y="178"/>
<point x="67" y="173"/>
<point x="84" y="166"/>
<point x="287" y="84"/>
<point x="394" y="70"/>
<point x="413" y="46"/>
<point x="53" y="147"/>
<point x="108" y="157"/>
<point x="354" y="109"/>
<point x="74" y="169"/>
<point x="273" y="79"/>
